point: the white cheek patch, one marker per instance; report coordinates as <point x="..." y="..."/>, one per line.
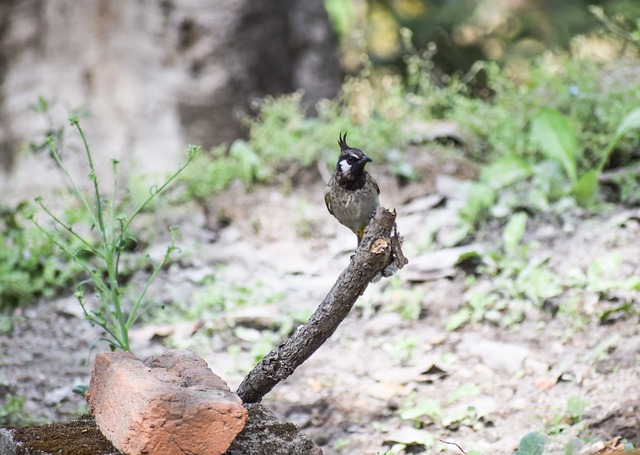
<point x="345" y="167"/>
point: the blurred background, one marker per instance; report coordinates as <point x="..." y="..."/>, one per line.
<point x="152" y="76"/>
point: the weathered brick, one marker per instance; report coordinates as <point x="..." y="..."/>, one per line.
<point x="173" y="404"/>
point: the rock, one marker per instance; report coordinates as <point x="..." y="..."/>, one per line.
<point x="438" y="264"/>
<point x="409" y="436"/>
<point x="264" y="434"/>
<point x="496" y="355"/>
<point x="173" y="404"/>
<point x="7" y="442"/>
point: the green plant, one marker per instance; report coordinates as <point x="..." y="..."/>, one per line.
<point x="576" y="407"/>
<point x="429" y="410"/>
<point x="544" y="137"/>
<point x="13" y="412"/>
<point x="99" y="255"/>
<point x="511" y="280"/>
<point x="29" y="265"/>
<point x="553" y="134"/>
<point x="532" y="444"/>
<point x="572" y="414"/>
<point x="425" y="410"/>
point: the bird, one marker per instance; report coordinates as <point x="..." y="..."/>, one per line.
<point x="352" y="194"/>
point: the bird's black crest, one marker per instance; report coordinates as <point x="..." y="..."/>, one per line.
<point x="342" y="141"/>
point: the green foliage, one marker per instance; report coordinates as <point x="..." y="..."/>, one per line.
<point x="29" y="265"/>
<point x="427" y="409"/>
<point x="547" y="138"/>
<point x="544" y="136"/>
<point x="100" y="255"/>
<point x="213" y="172"/>
<point x="510" y="281"/>
<point x="422" y="412"/>
<point x="221" y="305"/>
<point x="552" y="134"/>
<point x="283" y="138"/>
<point x="576" y="407"/>
<point x="513" y="233"/>
<point x="532" y="444"/>
<point x="13" y="412"/>
<point x="555" y="138"/>
<point x="397" y="297"/>
<point x="572" y="414"/>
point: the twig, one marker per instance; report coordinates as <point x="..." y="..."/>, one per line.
<point x="453" y="444"/>
<point x="373" y="255"/>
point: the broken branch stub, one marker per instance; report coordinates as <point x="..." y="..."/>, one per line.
<point x="379" y="248"/>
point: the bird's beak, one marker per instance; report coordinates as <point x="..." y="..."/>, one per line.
<point x="366" y="159"/>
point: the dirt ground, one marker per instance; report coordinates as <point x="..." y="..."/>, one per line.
<point x="482" y="387"/>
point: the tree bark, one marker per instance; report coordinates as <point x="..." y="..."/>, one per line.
<point x="379" y="249"/>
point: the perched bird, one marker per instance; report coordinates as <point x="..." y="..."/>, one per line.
<point x="352" y="194"/>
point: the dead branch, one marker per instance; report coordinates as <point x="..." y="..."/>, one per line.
<point x="379" y="248"/>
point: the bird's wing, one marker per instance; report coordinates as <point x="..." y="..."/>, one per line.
<point x="375" y="184"/>
<point x="327" y="200"/>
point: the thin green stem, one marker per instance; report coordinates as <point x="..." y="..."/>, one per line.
<point x="92" y="173"/>
<point x="114" y="298"/>
<point x="133" y="315"/>
<point x="112" y="204"/>
<point x="67" y="228"/>
<point x="56" y="157"/>
<point x="155" y="191"/>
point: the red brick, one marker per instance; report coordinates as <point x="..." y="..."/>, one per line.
<point x="171" y="405"/>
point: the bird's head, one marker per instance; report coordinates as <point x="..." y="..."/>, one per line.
<point x="351" y="161"/>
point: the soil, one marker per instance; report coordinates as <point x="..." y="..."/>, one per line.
<point x="482" y="387"/>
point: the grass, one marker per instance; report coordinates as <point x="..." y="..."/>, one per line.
<point x="13" y="412"/>
<point x="30" y="267"/>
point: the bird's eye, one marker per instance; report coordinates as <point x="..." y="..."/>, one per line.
<point x="352" y="159"/>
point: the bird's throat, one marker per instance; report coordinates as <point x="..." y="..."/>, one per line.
<point x="352" y="182"/>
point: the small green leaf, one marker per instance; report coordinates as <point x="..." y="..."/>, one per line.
<point x="248" y="164"/>
<point x="532" y="444"/>
<point x="428" y="407"/>
<point x="552" y="133"/>
<point x="629" y="123"/>
<point x="80" y="389"/>
<point x="466" y="390"/>
<point x="458" y="319"/>
<point x="576" y="407"/>
<point x="514" y="231"/>
<point x="586" y="187"/>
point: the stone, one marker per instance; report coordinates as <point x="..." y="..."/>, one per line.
<point x="173" y="404"/>
<point x="497" y="355"/>
<point x="264" y="434"/>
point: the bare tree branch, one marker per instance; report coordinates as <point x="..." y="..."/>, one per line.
<point x="380" y="248"/>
